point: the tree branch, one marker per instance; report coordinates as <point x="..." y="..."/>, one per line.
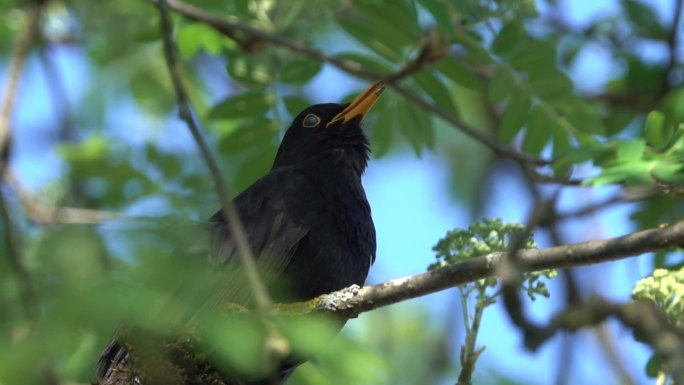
<point x="641" y="316"/>
<point x="22" y="46"/>
<point x="45" y="213"/>
<point x="276" y="346"/>
<point x="349" y="303"/>
<point x="185" y="108"/>
<point x="249" y="37"/>
<point x="352" y="301"/>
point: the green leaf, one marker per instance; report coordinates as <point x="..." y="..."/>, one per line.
<point x="436" y="90"/>
<point x="631" y="150"/>
<point x="514" y="116"/>
<point x="440" y="13"/>
<point x="248" y="136"/>
<point x="151" y="92"/>
<point x="644" y="19"/>
<point x="369" y="38"/>
<point x="256" y="164"/>
<point x="550" y="83"/>
<point x="633" y="173"/>
<point x="502" y="85"/>
<point x="668" y="170"/>
<point x="678" y="138"/>
<point x="653" y="366"/>
<point x="561" y="147"/>
<point x="398" y="23"/>
<point x="245" y="105"/>
<point x="657" y="130"/>
<point x="476" y="54"/>
<point x="383" y="125"/>
<point x="300" y="71"/>
<point x="238" y="342"/>
<point x="415" y="124"/>
<point x="295" y="104"/>
<point x="509" y="38"/>
<point x="540" y="128"/>
<point x="169" y="164"/>
<point x="193" y="37"/>
<point x="309" y="335"/>
<point x="251" y="70"/>
<point x="586" y="118"/>
<point x="534" y="56"/>
<point x="454" y="70"/>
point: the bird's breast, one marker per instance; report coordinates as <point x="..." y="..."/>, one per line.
<point x="340" y="244"/>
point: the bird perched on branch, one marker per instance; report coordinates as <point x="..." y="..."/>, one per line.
<point x="308" y="221"/>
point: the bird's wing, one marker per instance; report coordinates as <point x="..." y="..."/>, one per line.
<point x="272" y="231"/>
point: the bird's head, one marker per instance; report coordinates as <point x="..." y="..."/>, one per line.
<point x="330" y="132"/>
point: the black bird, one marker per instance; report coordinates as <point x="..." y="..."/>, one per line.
<point x="308" y="220"/>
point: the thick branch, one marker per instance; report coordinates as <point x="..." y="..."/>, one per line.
<point x="641" y="316"/>
<point x="352" y="303"/>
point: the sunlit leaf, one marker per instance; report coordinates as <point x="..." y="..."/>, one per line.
<point x="251" y="70"/>
<point x="630" y="149"/>
<point x="657" y="130"/>
<point x="196" y="36"/>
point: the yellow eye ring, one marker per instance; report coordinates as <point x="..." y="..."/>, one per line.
<point x="311" y="120"/>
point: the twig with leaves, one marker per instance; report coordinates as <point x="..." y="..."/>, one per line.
<point x="20" y="53"/>
<point x="275" y="345"/>
<point x="252" y="37"/>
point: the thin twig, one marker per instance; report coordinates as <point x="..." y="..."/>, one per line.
<point x="470" y="352"/>
<point x="275" y="346"/>
<point x="13" y="247"/>
<point x="641" y="316"/>
<point x="185" y="108"/>
<point x="20" y="52"/>
<point x="247" y="34"/>
<point x="45" y="213"/>
<point x="673" y="42"/>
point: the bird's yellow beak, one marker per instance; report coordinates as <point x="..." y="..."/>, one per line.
<point x="361" y="104"/>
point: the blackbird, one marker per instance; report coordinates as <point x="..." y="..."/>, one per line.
<point x="308" y="221"/>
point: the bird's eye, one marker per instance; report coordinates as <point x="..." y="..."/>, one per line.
<point x="311" y="120"/>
